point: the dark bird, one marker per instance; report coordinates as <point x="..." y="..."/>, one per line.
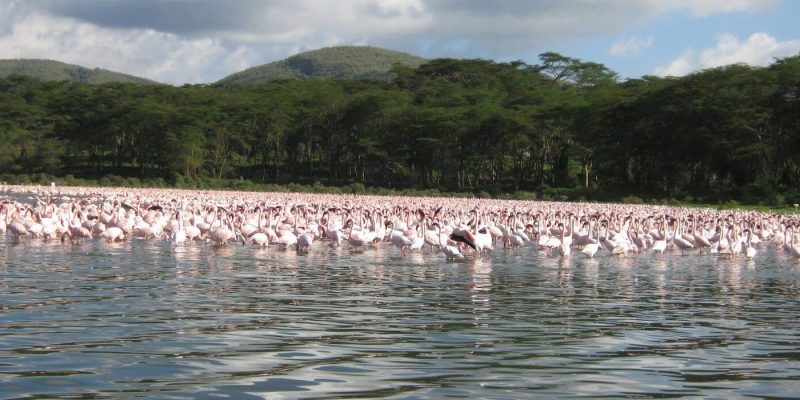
<point x="463" y="236"/>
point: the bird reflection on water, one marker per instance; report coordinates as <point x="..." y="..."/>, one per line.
<point x="208" y="320"/>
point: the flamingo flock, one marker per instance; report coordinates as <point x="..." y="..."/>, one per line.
<point x="453" y="228"/>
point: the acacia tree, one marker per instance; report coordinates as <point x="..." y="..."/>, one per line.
<point x="785" y="101"/>
<point x="728" y="132"/>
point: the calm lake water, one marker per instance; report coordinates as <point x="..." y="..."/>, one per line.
<point x="143" y="319"/>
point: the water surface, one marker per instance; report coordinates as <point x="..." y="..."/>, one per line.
<point x="143" y="319"/>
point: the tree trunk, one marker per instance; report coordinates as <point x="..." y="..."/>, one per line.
<point x="587" y="167"/>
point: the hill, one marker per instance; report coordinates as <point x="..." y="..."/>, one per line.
<point x="49" y="70"/>
<point x="340" y="62"/>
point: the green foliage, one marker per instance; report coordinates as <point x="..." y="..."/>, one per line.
<point x="632" y="200"/>
<point x="48" y="70"/>
<point x="562" y="130"/>
<point x="340" y="62"/>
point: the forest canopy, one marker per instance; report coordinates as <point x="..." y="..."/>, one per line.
<point x="728" y="133"/>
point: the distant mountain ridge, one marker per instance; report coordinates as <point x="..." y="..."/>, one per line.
<point x="340" y="62"/>
<point x="50" y="70"/>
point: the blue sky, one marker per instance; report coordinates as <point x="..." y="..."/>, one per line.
<point x="674" y="33"/>
<point x="197" y="41"/>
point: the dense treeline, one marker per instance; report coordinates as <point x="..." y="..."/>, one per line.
<point x="455" y="125"/>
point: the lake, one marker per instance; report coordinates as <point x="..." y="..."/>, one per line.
<point x="144" y="319"/>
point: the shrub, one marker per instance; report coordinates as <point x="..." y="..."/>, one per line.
<point x="632" y="200"/>
<point x="730" y="204"/>
<point x="776" y="200"/>
<point x="356" y="188"/>
<point x="294" y="187"/>
<point x="525" y="196"/>
<point x="385" y="192"/>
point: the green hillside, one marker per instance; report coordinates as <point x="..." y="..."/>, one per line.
<point x="341" y="62"/>
<point x="49" y="70"/>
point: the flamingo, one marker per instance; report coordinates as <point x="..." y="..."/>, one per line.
<point x="679" y="240"/>
<point x="332" y="231"/>
<point x="660" y="237"/>
<point x="398" y="239"/>
<point x="222" y="234"/>
<point x="179" y="236"/>
<point x="192" y="231"/>
<point x="78" y="232"/>
<point x="286" y="238"/>
<point x="450" y="252"/>
<point x="481" y="236"/>
<point x="113" y="234"/>
<point x="750" y="251"/>
<point x="607" y="242"/>
<point x="699" y="238"/>
<point x="259" y="238"/>
<point x="418" y="240"/>
<point x="16" y="228"/>
<point x="590" y="249"/>
<point x="115" y="216"/>
<point x="723" y="244"/>
<point x="304" y="241"/>
<point x="247" y="229"/>
<point x="463" y="235"/>
<point x="793" y="249"/>
<point x="563" y="248"/>
<point x="33" y="223"/>
<point x="354" y="239"/>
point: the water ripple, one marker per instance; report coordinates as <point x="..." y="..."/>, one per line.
<point x="144" y="319"/>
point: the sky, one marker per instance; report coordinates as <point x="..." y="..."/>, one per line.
<point x="202" y="41"/>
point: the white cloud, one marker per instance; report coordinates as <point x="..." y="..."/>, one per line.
<point x="204" y="40"/>
<point x="143" y="52"/>
<point x="760" y="49"/>
<point x="704" y="8"/>
<point x="630" y="46"/>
